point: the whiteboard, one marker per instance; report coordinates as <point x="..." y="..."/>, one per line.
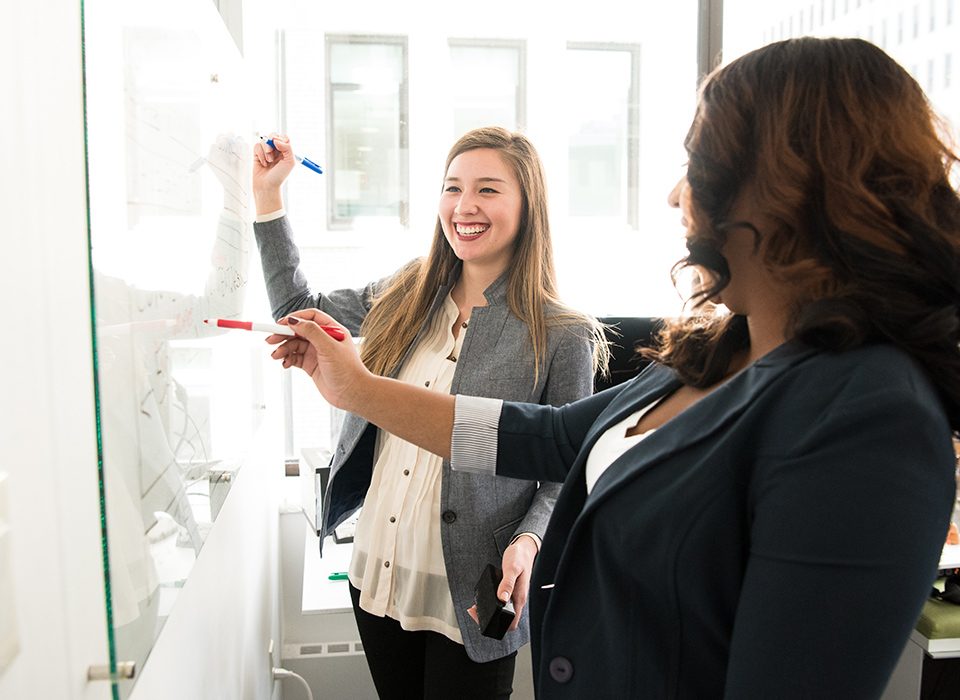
<point x="168" y="158"/>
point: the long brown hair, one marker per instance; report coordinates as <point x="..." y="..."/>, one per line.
<point x="400" y="309"/>
<point x="842" y="151"/>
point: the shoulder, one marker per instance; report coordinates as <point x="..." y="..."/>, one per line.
<point x="882" y="366"/>
<point x="870" y="379"/>
<point x="570" y="325"/>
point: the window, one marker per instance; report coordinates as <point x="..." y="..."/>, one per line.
<point x="367" y="130"/>
<point x="487" y="86"/>
<point x="603" y="128"/>
<point x="606" y="97"/>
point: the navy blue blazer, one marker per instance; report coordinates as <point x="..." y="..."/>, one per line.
<point x="776" y="539"/>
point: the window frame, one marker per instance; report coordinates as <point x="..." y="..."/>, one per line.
<point x="633" y="120"/>
<point x="520" y="45"/>
<point x="343" y="223"/>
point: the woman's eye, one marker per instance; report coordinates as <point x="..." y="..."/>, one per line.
<point x="488" y="190"/>
<point x="452" y="188"/>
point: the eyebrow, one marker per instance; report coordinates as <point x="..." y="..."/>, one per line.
<point x="479" y="179"/>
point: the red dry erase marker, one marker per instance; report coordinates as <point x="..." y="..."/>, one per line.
<point x="333" y="331"/>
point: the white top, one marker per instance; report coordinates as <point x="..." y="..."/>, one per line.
<point x="612" y="444"/>
<point x="397" y="556"/>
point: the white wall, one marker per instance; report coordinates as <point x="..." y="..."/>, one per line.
<point x="51" y="567"/>
<point x="47" y="427"/>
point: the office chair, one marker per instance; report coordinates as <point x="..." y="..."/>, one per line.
<point x="626" y="334"/>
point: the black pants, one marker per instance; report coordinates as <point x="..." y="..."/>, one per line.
<point x="407" y="665"/>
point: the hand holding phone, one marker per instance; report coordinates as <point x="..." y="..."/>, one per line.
<point x="494" y="615"/>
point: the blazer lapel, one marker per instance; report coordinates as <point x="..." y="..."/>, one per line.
<point x="692" y="426"/>
<point x="653" y="383"/>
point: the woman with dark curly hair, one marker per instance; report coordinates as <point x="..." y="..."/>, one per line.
<point x="760" y="513"/>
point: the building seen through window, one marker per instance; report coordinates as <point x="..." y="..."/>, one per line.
<point x="925" y="47"/>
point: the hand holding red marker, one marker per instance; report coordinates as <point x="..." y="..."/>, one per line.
<point x="335" y="367"/>
<point x="333" y="331"/>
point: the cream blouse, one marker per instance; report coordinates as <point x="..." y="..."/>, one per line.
<point x="397" y="556"/>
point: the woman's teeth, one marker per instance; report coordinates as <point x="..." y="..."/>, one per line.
<point x="474" y="230"/>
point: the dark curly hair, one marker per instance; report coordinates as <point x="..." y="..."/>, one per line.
<point x="843" y="152"/>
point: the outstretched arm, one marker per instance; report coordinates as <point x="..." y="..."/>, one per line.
<point x="343" y="380"/>
<point x="525" y="441"/>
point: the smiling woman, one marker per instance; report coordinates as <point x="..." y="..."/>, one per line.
<point x="480" y="211"/>
<point x="479" y="314"/>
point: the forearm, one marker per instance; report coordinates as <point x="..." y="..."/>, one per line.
<point x="538" y="515"/>
<point x="414" y="414"/>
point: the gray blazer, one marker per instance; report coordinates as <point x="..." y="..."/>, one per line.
<point x="480" y="514"/>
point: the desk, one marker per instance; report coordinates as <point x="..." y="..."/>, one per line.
<point x="950" y="557"/>
<point x="939" y="646"/>
<point x="320" y="594"/>
<point x="929" y="667"/>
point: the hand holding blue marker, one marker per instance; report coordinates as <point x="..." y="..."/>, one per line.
<point x="300" y="159"/>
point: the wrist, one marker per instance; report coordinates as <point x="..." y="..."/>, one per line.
<point x="529" y="537"/>
<point x="360" y="397"/>
<point x="268" y="201"/>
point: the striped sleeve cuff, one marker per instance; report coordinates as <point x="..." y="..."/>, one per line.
<point x="270" y="216"/>
<point x="473" y="447"/>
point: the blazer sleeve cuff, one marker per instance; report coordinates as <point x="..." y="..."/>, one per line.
<point x="473" y="447"/>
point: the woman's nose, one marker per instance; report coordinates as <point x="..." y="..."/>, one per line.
<point x="466" y="204"/>
<point x="673" y="199"/>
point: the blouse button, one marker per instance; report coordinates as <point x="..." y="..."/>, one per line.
<point x="393" y="519"/>
<point x="452" y="358"/>
<point x="386" y="564"/>
<point x="406" y="472"/>
<point x="427" y="383"/>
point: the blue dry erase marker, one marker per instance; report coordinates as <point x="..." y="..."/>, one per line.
<point x="303" y="161"/>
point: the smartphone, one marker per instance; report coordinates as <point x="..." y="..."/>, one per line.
<point x="495" y="615"/>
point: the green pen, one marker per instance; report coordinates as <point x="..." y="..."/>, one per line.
<point x="338" y="576"/>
